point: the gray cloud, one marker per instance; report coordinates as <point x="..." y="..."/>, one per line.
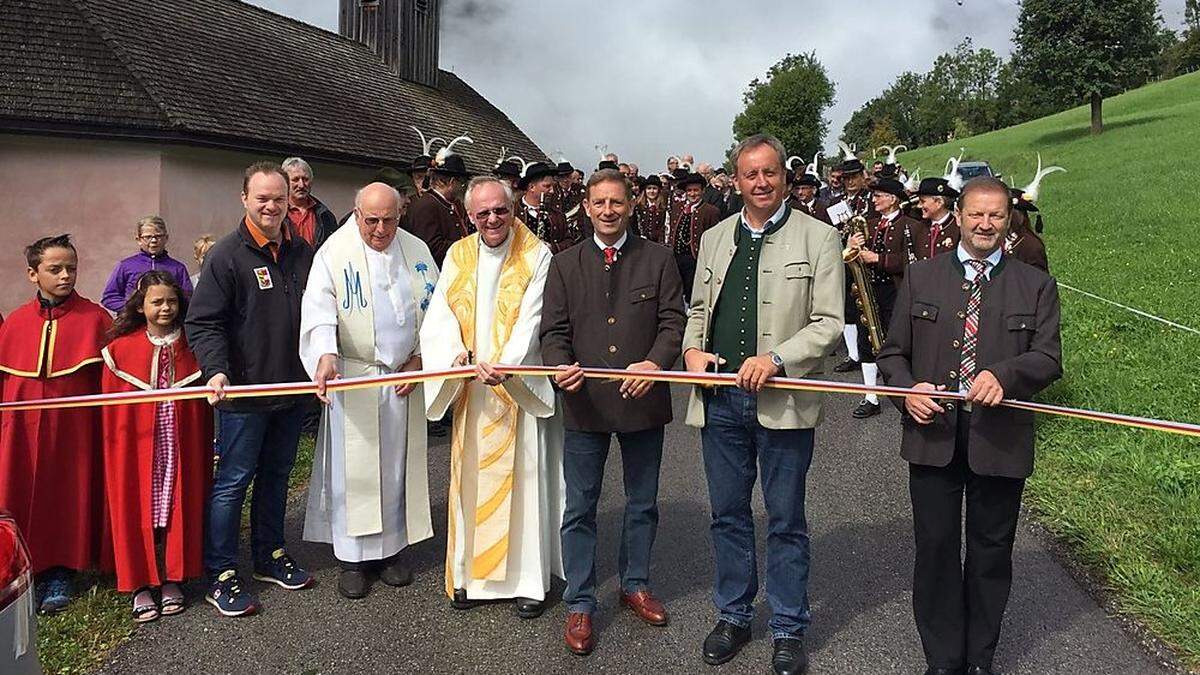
<point x="653" y="79"/>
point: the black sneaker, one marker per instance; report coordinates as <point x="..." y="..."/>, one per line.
<point x="847" y="365"/>
<point x="865" y="409"/>
<point x="283" y="571"/>
<point x="229" y="597"/>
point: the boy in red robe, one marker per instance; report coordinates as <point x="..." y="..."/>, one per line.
<point x="158" y="457"/>
<point x="50" y="471"/>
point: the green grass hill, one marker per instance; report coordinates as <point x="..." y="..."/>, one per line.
<point x="1122" y="223"/>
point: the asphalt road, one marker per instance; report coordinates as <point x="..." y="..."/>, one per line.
<point x="860" y="522"/>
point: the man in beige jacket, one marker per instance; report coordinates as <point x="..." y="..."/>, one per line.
<point x="767" y="301"/>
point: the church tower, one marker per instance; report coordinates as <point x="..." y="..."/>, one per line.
<point x="404" y="33"/>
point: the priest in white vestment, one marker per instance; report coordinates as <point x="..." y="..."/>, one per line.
<point x="506" y="486"/>
<point x="361" y="315"/>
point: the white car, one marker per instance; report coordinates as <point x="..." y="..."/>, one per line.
<point x="18" y="627"/>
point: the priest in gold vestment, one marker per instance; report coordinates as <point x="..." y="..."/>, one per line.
<point x="506" y="486"/>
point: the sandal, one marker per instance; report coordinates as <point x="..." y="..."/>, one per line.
<point x="144" y="611"/>
<point x="172" y="599"/>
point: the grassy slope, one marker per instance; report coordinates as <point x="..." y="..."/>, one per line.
<point x="1122" y="223"/>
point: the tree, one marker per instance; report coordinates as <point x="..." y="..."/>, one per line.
<point x="894" y="109"/>
<point x="882" y="133"/>
<point x="1183" y="56"/>
<point x="790" y="104"/>
<point x="1086" y="49"/>
<point x="1191" y="15"/>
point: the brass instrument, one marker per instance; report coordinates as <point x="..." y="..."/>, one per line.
<point x="860" y="286"/>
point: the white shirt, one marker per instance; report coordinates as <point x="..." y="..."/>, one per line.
<point x="775" y="218"/>
<point x="618" y="245"/>
<point x="969" y="271"/>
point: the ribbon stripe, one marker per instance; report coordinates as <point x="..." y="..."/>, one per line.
<point x="667" y="376"/>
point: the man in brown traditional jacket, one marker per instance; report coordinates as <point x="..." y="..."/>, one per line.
<point x="612" y="301"/>
<point x="536" y="206"/>
<point x="981" y="322"/>
<point x="438" y="216"/>
<point x="885" y="256"/>
<point x="804" y="197"/>
<point x="687" y="219"/>
<point x="936" y="199"/>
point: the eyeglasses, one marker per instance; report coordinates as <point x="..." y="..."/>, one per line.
<point x="372" y="221"/>
<point x="152" y="237"/>
<point x="499" y="212"/>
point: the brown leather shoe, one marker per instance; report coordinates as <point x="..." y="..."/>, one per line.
<point x="579" y="633"/>
<point x="646" y="607"/>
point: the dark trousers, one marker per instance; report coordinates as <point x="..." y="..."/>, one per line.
<point x="885" y="301"/>
<point x="258" y="447"/>
<point x="584" y="454"/>
<point x="736" y="450"/>
<point x="959" y="604"/>
<point x="687" y="272"/>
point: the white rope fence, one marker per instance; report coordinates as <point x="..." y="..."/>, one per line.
<point x="1127" y="308"/>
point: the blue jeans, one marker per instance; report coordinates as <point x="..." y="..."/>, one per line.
<point x="733" y="442"/>
<point x="584" y="454"/>
<point x="258" y="447"/>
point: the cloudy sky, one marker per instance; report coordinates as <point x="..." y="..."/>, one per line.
<point x="651" y="79"/>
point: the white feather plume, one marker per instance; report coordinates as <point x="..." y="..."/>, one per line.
<point x="440" y="157"/>
<point x="1030" y="192"/>
<point x="952" y="176"/>
<point x="847" y="151"/>
<point x="791" y="161"/>
<point x="914" y="181"/>
<point x="524" y="165"/>
<point x="892" y="150"/>
<point x="426" y="145"/>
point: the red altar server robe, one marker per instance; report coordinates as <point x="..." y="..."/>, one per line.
<point x="131" y="364"/>
<point x="50" y="467"/>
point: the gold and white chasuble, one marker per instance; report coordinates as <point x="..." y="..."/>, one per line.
<point x="369" y="492"/>
<point x="506" y="484"/>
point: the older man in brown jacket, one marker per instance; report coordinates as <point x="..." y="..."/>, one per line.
<point x="979" y="321"/>
<point x="767" y="301"/>
<point x="614" y="300"/>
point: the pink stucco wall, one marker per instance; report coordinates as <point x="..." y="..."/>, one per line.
<point x="97" y="190"/>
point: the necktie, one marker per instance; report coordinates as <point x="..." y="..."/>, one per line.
<point x="966" y="370"/>
<point x="610" y="255"/>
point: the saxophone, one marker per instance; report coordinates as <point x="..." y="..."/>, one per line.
<point x="864" y="294"/>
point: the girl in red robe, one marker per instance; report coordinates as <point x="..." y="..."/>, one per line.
<point x="157" y="456"/>
<point x="50" y="475"/>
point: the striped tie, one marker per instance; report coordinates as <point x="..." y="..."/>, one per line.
<point x="966" y="370"/>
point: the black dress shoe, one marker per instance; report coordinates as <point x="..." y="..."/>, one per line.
<point x="789" y="657"/>
<point x="724" y="642"/>
<point x="393" y="573"/>
<point x="352" y="583"/>
<point x="980" y="670"/>
<point x="865" y="409"/>
<point x="528" y="608"/>
<point x="461" y="601"/>
<point x="943" y="671"/>
<point x="847" y="365"/>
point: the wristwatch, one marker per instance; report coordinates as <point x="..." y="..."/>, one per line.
<point x="776" y="360"/>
